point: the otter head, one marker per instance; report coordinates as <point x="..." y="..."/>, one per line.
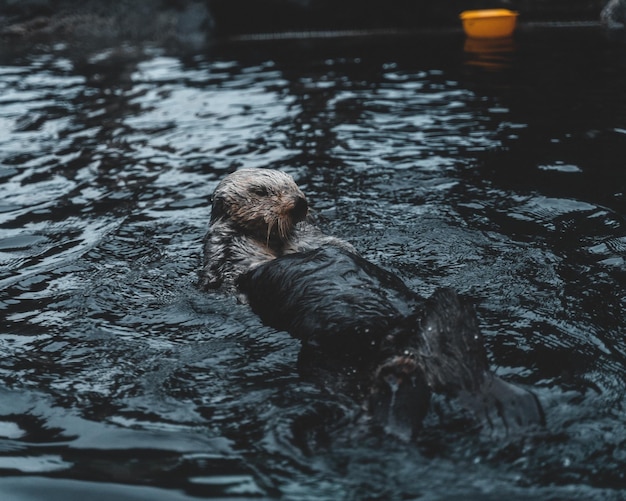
<point x="260" y="203"/>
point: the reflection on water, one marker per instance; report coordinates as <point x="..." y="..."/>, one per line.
<point x="493" y="169"/>
<point x="490" y="53"/>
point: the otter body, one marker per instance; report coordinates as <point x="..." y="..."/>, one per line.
<point x="352" y="316"/>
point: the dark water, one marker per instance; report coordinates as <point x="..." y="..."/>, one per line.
<point x="500" y="171"/>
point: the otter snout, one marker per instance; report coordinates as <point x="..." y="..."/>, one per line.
<point x="300" y="209"/>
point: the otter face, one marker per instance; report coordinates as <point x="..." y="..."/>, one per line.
<point x="265" y="204"/>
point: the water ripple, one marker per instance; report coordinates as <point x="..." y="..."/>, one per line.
<point x="118" y="375"/>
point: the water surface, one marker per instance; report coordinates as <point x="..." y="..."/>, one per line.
<point x="496" y="170"/>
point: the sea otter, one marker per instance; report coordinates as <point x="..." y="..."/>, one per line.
<point x="358" y="323"/>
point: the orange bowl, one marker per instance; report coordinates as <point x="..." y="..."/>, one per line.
<point x="489" y="23"/>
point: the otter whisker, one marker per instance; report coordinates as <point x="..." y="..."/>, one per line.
<point x="269" y="233"/>
<point x="283" y="228"/>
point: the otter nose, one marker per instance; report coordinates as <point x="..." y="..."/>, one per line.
<point x="300" y="208"/>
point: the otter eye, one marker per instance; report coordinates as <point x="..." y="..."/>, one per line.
<point x="259" y="190"/>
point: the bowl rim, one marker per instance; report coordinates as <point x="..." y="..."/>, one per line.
<point x="488" y="14"/>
